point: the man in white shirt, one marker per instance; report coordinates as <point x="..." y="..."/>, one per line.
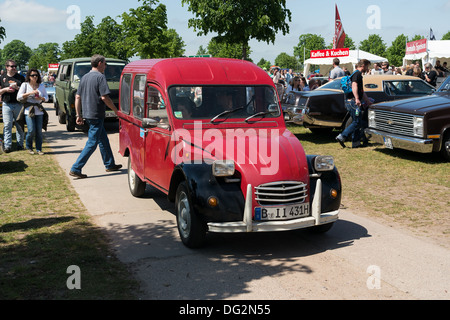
<point x="337" y="72"/>
<point x="376" y="70"/>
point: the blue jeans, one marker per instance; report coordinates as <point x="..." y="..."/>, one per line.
<point x="34" y="126"/>
<point x="356" y="128"/>
<point x="10" y="113"/>
<point x="96" y="136"/>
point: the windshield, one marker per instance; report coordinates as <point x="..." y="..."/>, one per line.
<point x="112" y="71"/>
<point x="445" y="86"/>
<point x="221" y="103"/>
<point x="334" y="84"/>
<point x="408" y="87"/>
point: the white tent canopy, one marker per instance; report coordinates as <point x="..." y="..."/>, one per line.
<point x="326" y="64"/>
<point x="437" y="50"/>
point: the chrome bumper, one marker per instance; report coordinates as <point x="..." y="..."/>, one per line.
<point x="248" y="225"/>
<point x="401" y="142"/>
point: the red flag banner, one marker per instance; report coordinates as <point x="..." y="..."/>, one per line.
<point x="333" y="53"/>
<point x="416" y="46"/>
<point x="339" y="34"/>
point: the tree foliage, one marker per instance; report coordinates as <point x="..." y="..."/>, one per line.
<point x="283" y="60"/>
<point x="306" y="43"/>
<point x="446" y="36"/>
<point x="397" y="50"/>
<point x="2" y="32"/>
<point x="226" y="50"/>
<point x="374" y="44"/>
<point x="239" y="21"/>
<point x="18" y="51"/>
<point x="43" y="55"/>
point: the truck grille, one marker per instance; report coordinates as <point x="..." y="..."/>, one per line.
<point x="282" y="192"/>
<point x="394" y="122"/>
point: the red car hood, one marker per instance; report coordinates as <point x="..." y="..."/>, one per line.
<point x="260" y="155"/>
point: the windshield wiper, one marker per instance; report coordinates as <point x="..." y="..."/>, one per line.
<point x="224" y="113"/>
<point x="261" y="114"/>
<point x="231" y="111"/>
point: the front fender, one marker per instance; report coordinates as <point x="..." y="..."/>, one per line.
<point x="202" y="185"/>
<point x="331" y="180"/>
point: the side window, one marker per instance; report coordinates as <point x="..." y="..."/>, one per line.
<point x="125" y="100"/>
<point x="156" y="107"/>
<point x="139" y="96"/>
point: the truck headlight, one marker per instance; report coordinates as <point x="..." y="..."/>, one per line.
<point x="418" y="126"/>
<point x="223" y="168"/>
<point x="371" y="116"/>
<point x="324" y="163"/>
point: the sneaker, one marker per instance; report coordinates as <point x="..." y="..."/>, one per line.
<point x="30" y="151"/>
<point x="40" y="153"/>
<point x="19" y="148"/>
<point x="341" y="140"/>
<point x="7" y="150"/>
<point x="114" y="168"/>
<point x="78" y="175"/>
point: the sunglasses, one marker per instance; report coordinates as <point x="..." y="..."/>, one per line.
<point x="12" y="66"/>
<point x="34" y="75"/>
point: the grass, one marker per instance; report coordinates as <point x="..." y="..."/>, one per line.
<point x="44" y="229"/>
<point x="407" y="188"/>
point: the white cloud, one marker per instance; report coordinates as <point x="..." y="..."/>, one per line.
<point x="28" y="11"/>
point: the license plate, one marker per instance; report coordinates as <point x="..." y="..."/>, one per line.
<point x="282" y="212"/>
<point x="388" y="143"/>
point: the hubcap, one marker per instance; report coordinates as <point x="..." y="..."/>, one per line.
<point x="184" y="215"/>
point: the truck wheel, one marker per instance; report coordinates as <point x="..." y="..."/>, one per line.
<point x="445" y="150"/>
<point x="322" y="228"/>
<point x="61" y="116"/>
<point x="191" y="228"/>
<point x="136" y="185"/>
<point x="70" y="123"/>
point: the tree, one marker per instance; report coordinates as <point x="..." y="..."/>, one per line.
<point x="145" y="28"/>
<point x="348" y="43"/>
<point x="174" y="46"/>
<point x="108" y="38"/>
<point x="397" y="50"/>
<point x="283" y="60"/>
<point x="43" y="55"/>
<point x="308" y="42"/>
<point x="446" y="36"/>
<point x="2" y="33"/>
<point x="374" y="44"/>
<point x="264" y="64"/>
<point x="226" y="50"/>
<point x="83" y="45"/>
<point x="17" y="50"/>
<point x="239" y="21"/>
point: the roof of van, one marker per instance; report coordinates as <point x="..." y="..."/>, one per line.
<point x="88" y="59"/>
<point x="199" y="71"/>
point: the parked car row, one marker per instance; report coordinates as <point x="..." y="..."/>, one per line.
<point x="408" y="113"/>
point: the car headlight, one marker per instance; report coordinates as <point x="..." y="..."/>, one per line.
<point x="223" y="168"/>
<point x="418" y="126"/>
<point x="324" y="163"/>
<point x="371" y="116"/>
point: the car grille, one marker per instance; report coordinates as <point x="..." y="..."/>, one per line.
<point x="277" y="193"/>
<point x="394" y="122"/>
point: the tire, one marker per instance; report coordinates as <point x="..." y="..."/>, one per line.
<point x="61" y="116"/>
<point x="136" y="185"/>
<point x="445" y="150"/>
<point x="70" y="123"/>
<point x="191" y="228"/>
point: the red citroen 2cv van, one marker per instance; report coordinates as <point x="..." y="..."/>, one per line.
<point x="211" y="135"/>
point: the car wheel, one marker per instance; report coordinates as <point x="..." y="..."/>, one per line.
<point x="191" y="228"/>
<point x="445" y="150"/>
<point x="136" y="185"/>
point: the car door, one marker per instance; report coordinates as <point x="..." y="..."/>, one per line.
<point x="158" y="145"/>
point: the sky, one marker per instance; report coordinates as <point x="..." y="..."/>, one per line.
<point x="41" y="21"/>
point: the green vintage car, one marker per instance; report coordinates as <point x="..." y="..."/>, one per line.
<point x="68" y="79"/>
